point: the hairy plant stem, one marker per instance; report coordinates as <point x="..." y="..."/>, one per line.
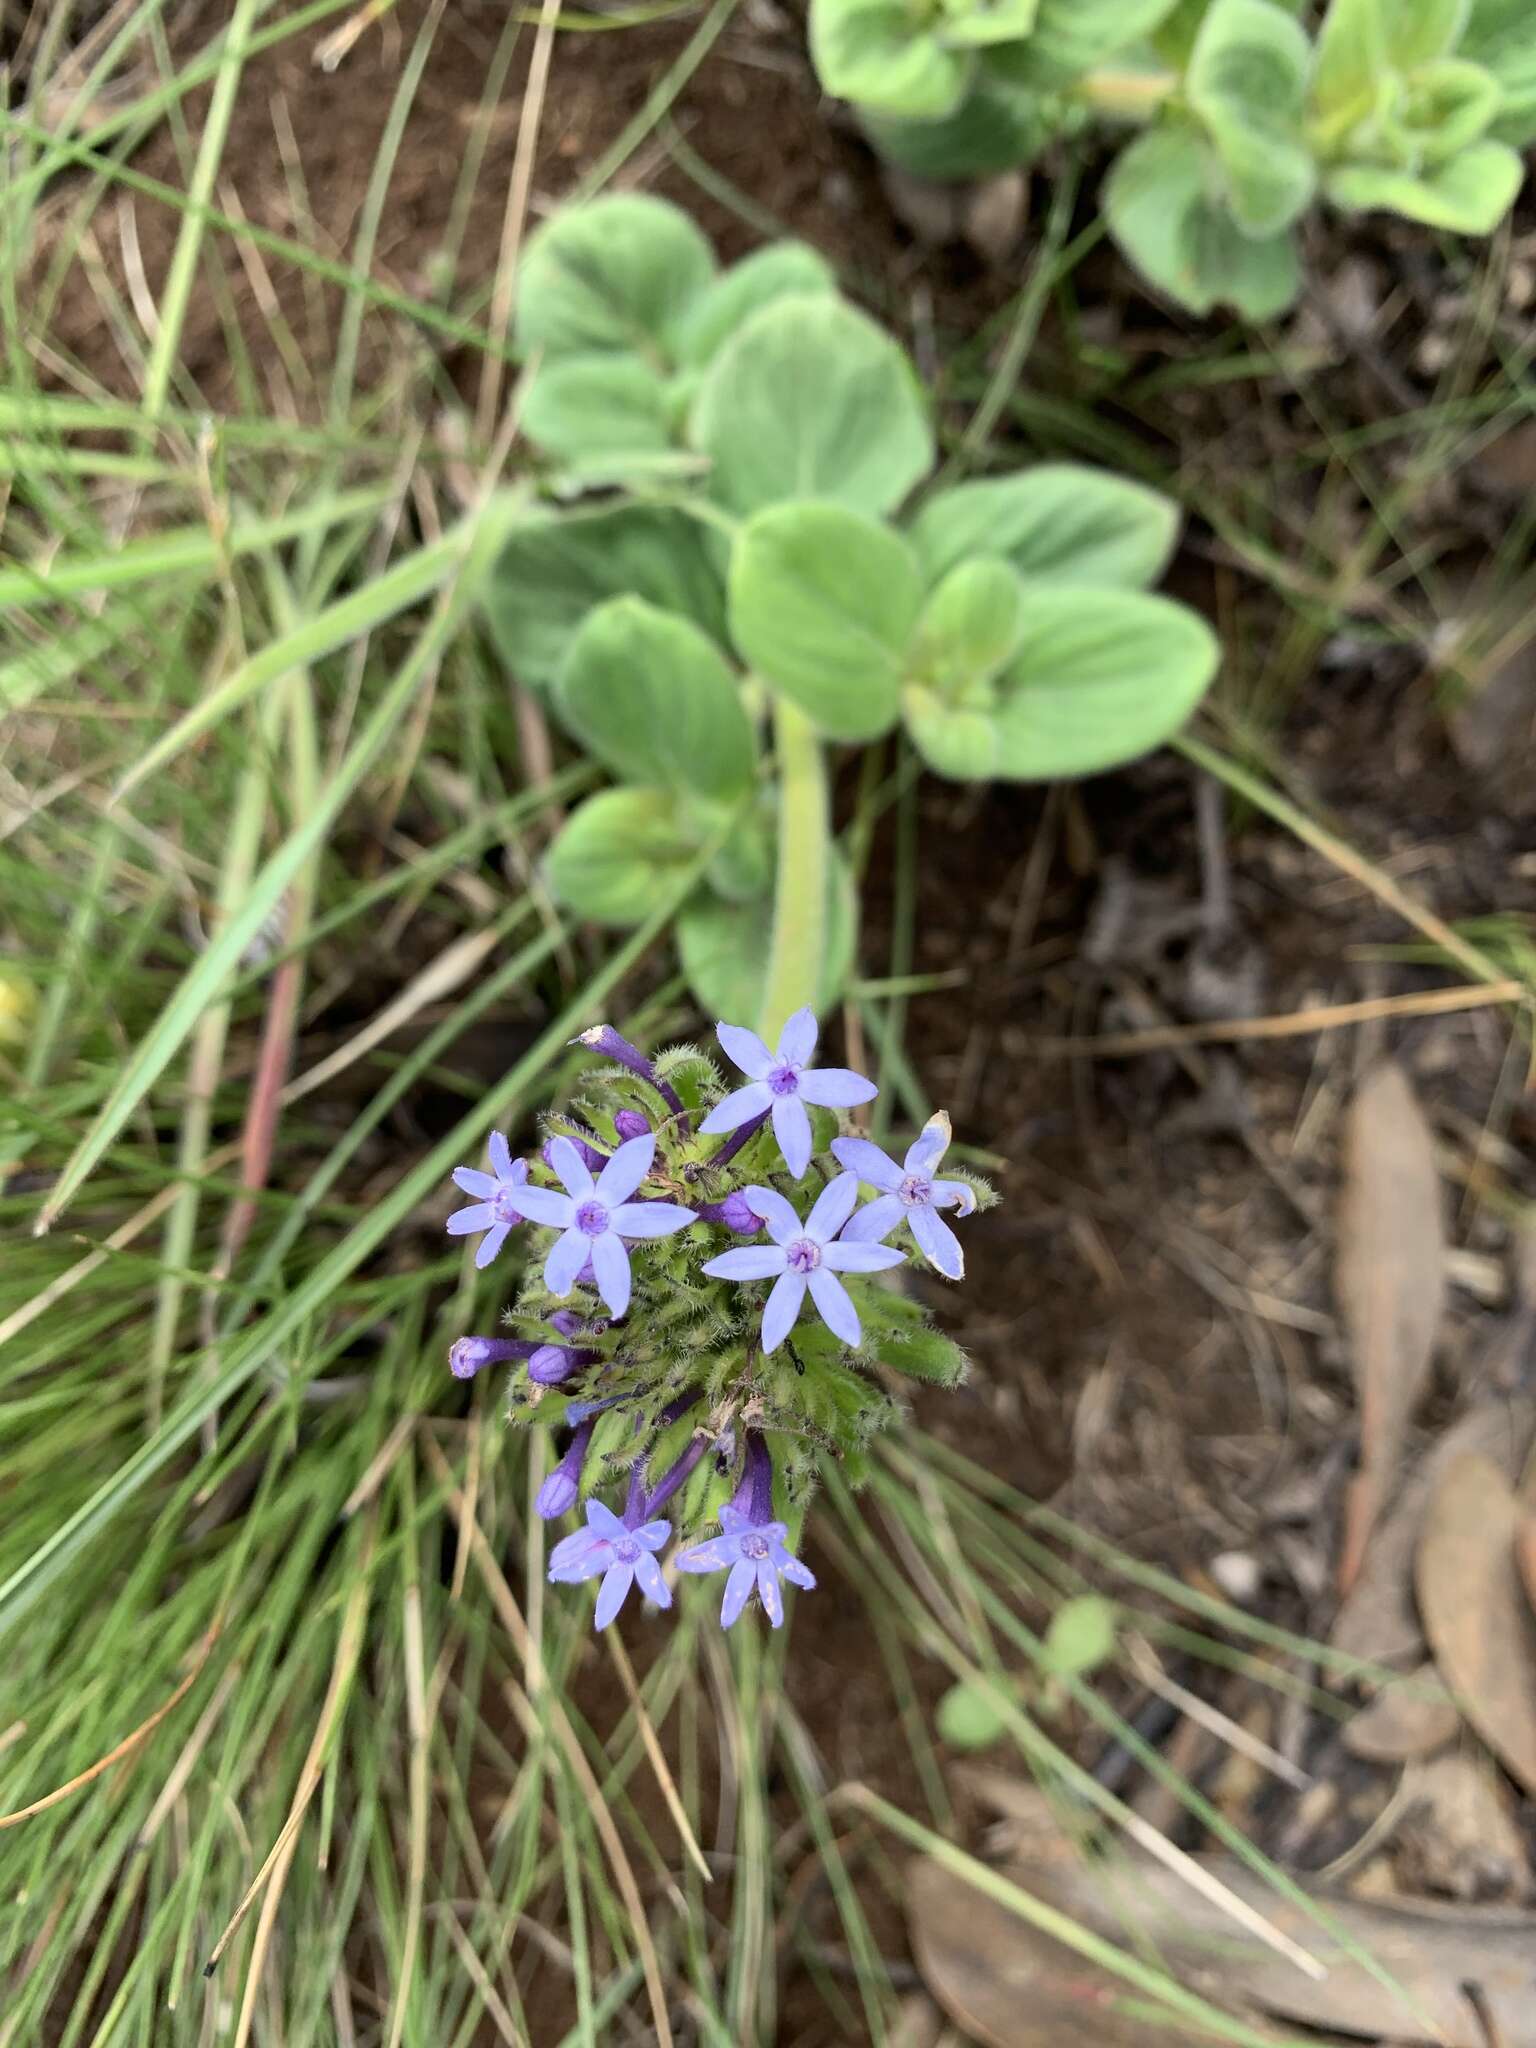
<point x="798" y="945"/>
<point x="1126" y="95"/>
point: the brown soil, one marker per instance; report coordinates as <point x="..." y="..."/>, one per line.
<point x="1149" y="1309"/>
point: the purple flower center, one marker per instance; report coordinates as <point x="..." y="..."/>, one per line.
<point x="915" y="1191"/>
<point x="785" y="1080"/>
<point x="803" y="1256"/>
<point x="592" y="1219"/>
<point x="503" y="1206"/>
<point x="754" y="1545"/>
<point x="626" y="1549"/>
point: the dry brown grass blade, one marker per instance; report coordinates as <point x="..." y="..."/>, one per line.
<point x="1438" y="1002"/>
<point x="1390" y="1280"/>
<point x="129" y="1742"/>
<point x="1478" y="1620"/>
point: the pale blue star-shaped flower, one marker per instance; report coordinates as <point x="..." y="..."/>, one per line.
<point x="782" y="1083"/>
<point x="595" y="1217"/>
<point x="755" y="1555"/>
<point x="495" y="1208"/>
<point x="806" y="1257"/>
<point x="621" y="1553"/>
<point x="909" y="1194"/>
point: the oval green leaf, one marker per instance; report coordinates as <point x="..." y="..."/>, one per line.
<point x="1161" y="213"/>
<point x="1469" y="195"/>
<point x="1060" y="522"/>
<point x="1247" y="84"/>
<point x="768" y="274"/>
<point x="598" y="405"/>
<point x="616" y="853"/>
<point x="822" y="604"/>
<point x="618" y="273"/>
<point x="1097" y="684"/>
<point x="652" y="696"/>
<point x="882" y="54"/>
<point x="810" y="399"/>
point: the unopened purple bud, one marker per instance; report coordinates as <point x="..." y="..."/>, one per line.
<point x="629" y="1123"/>
<point x="568" y="1322"/>
<point x="594" y="1160"/>
<point x="553" y="1363"/>
<point x="602" y="1038"/>
<point x="469" y="1355"/>
<point x="739" y="1137"/>
<point x="735" y="1212"/>
<point x="557" y="1496"/>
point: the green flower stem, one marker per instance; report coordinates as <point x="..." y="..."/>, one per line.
<point x="798" y="945"/>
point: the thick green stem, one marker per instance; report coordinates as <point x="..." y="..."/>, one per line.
<point x="798" y="947"/>
<point x="1126" y="95"/>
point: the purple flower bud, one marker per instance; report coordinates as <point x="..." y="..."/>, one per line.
<point x="557" y="1496"/>
<point x="629" y="1123"/>
<point x="739" y="1137"/>
<point x="594" y="1160"/>
<point x="469" y="1355"/>
<point x="735" y="1212"/>
<point x="553" y="1363"/>
<point x="569" y="1322"/>
<point x="604" y="1039"/>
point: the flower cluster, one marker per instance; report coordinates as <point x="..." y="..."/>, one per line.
<point x="660" y="1371"/>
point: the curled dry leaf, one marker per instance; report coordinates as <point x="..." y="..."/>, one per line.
<point x="1404" y="1722"/>
<point x="1379" y="1621"/>
<point x="1430" y="1952"/>
<point x="1459" y="1837"/>
<point x="1390" y="1281"/>
<point x="1478" y="1620"/>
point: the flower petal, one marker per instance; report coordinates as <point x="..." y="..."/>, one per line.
<point x="783" y="1224"/>
<point x="717" y="1555"/>
<point x="652" y="1584"/>
<point x="625" y="1170"/>
<point x="491" y="1244"/>
<point x="783" y="1309"/>
<point x="939" y="1243"/>
<point x="834" y="1205"/>
<point x="602" y="1518"/>
<point x="792" y="1128"/>
<point x="654" y="1534"/>
<point x="738" y="1590"/>
<point x="613" y="1592"/>
<point x="745" y="1049"/>
<point x="958" y="1195"/>
<point x="875" y="1220"/>
<point x="473" y="1182"/>
<point x="797" y="1041"/>
<point x="844" y="1257"/>
<point x="747" y="1262"/>
<point x="567" y="1256"/>
<point x="768" y="1592"/>
<point x="465" y="1221"/>
<point x="649" y="1219"/>
<point x="610" y="1267"/>
<point x="836" y="1087"/>
<point x="738" y="1108"/>
<point x="501" y="1156"/>
<point x="586" y="1556"/>
<point x="868" y="1162"/>
<point x="797" y="1573"/>
<point x="543" y="1205"/>
<point x="930" y="1144"/>
<point x="834" y="1306"/>
<point x="571" y="1167"/>
<point x="733" y="1521"/>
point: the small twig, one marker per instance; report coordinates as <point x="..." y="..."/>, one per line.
<point x="1145" y="1664"/>
<point x="1296" y="1024"/>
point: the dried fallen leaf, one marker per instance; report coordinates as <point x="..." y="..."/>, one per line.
<point x="1525" y="1556"/>
<point x="1006" y="1984"/>
<point x="1460" y="1838"/>
<point x="1390" y="1280"/>
<point x="1430" y="1952"/>
<point x="1404" y="1722"/>
<point x="1379" y="1621"/>
<point x="1476" y="1615"/>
